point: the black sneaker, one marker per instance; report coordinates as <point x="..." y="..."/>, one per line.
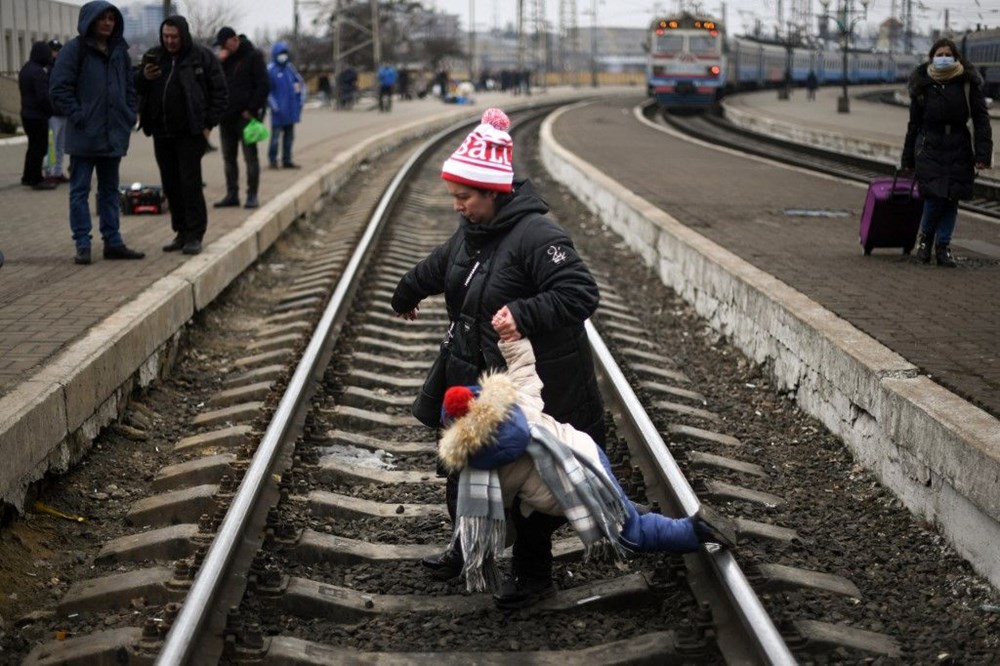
<point x="252" y="202"/>
<point x="445" y="566"/>
<point x="228" y="202"/>
<point x="82" y="256"/>
<point x="175" y="245"/>
<point x="122" y="252"/>
<point x="290" y="165"/>
<point x="711" y="526"/>
<point x="522" y="592"/>
<point x="192" y="247"/>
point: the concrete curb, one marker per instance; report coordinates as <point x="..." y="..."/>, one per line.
<point x="48" y="422"/>
<point x="937" y="452"/>
<point x="745" y="119"/>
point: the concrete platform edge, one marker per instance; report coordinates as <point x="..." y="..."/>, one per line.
<point x="48" y="422"/>
<point x="746" y="119"/>
<point x="938" y="453"/>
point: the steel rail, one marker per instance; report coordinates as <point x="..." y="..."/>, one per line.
<point x="181" y="639"/>
<point x="759" y="629"/>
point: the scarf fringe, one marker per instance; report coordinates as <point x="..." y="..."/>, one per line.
<point x="481" y="540"/>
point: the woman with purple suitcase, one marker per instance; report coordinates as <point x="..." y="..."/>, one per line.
<point x="945" y="93"/>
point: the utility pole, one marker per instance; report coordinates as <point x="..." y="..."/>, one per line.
<point x="472" y="40"/>
<point x="376" y="42"/>
<point x="520" y="35"/>
<point x="336" y="40"/>
<point x="166" y="8"/>
<point x="593" y="45"/>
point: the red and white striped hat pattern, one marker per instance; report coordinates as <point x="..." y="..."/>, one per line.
<point x="484" y="160"/>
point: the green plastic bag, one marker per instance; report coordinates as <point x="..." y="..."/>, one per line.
<point x="255" y="132"/>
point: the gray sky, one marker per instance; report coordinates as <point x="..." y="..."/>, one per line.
<point x="274" y="16"/>
<point x="628" y="13"/>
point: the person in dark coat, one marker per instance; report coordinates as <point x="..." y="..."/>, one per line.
<point x="247" y="81"/>
<point x="507" y="258"/>
<point x="945" y="93"/>
<point x="36" y="109"/>
<point x="92" y="84"/>
<point x="183" y="93"/>
<point x="812" y="83"/>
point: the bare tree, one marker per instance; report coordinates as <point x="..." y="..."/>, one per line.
<point x="205" y="17"/>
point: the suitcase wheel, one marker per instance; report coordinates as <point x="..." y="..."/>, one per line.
<point x="867" y="249"/>
<point x="908" y="249"/>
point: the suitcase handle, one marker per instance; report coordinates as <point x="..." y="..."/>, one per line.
<point x="895" y="177"/>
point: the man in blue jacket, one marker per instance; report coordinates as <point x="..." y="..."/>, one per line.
<point x="286" y="98"/>
<point x="386" y="84"/>
<point x="93" y="86"/>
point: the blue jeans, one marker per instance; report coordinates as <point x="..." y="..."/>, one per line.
<point x="939" y="219"/>
<point x="288" y="135"/>
<point x="108" y="202"/>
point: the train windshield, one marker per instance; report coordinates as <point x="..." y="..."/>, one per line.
<point x="669" y="42"/>
<point x="702" y="45"/>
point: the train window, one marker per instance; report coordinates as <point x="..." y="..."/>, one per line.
<point x="669" y="42"/>
<point x="702" y="45"/>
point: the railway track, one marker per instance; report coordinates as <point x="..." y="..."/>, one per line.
<point x="716" y="130"/>
<point x="288" y="527"/>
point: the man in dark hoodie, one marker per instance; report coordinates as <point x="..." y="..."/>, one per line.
<point x="93" y="86"/>
<point x="183" y="93"/>
<point x="246" y="77"/>
<point x="33" y="80"/>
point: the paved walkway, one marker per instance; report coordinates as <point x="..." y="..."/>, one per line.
<point x="947" y="322"/>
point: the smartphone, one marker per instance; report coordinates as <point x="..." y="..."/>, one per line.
<point x="151" y="57"/>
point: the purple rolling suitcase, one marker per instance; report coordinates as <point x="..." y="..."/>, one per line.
<point x="892" y="213"/>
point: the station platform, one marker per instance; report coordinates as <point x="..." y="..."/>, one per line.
<point x="899" y="359"/>
<point x="871" y="129"/>
<point x="73" y="339"/>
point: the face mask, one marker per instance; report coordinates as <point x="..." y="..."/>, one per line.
<point x="943" y="62"/>
<point x="282" y="58"/>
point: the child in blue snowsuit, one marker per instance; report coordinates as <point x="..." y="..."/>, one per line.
<point x="499" y="428"/>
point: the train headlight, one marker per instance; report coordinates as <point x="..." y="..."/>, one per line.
<point x="714" y="70"/>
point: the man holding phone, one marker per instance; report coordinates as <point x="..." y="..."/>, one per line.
<point x="183" y="94"/>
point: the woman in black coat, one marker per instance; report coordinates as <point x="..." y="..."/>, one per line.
<point x="944" y="94"/>
<point x="36" y="109"/>
<point x="510" y="263"/>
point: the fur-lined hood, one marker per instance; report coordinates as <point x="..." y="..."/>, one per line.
<point x="493" y="418"/>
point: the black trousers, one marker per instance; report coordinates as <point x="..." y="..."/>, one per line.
<point x="179" y="159"/>
<point x="231" y="138"/>
<point x="533" y="543"/>
<point x="385" y="98"/>
<point x="37" y="131"/>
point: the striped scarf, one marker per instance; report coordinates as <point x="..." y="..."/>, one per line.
<point x="589" y="500"/>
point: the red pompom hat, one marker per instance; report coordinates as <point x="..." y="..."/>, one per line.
<point x="485" y="158"/>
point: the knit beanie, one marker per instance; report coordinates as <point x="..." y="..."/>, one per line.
<point x="485" y="158"/>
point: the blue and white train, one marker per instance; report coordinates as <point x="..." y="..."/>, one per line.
<point x="691" y="63"/>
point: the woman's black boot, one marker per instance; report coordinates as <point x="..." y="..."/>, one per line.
<point x="944" y="257"/>
<point x="924" y="248"/>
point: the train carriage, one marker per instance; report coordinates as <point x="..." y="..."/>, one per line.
<point x="982" y="49"/>
<point x="686" y="67"/>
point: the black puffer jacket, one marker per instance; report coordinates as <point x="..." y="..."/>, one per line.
<point x="33" y="81"/>
<point x="246" y="77"/>
<point x="189" y="96"/>
<point x="937" y="140"/>
<point x="524" y="260"/>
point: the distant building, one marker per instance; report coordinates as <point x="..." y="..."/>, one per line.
<point x="142" y="19"/>
<point x="23" y="22"/>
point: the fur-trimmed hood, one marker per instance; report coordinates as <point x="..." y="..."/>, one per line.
<point x="493" y="419"/>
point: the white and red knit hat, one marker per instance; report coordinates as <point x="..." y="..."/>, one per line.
<point x="485" y="158"/>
